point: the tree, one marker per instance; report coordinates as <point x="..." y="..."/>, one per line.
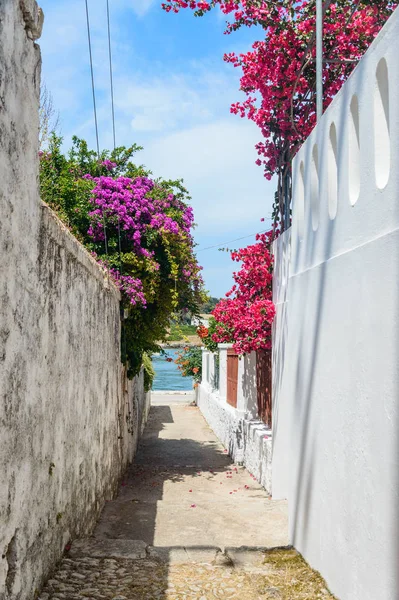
<point x="49" y="117"/>
<point x="278" y="73"/>
<point x="209" y="305"/>
<point x="138" y="228"/>
<point x="245" y="316"/>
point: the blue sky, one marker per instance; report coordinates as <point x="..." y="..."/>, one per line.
<point x="172" y="96"/>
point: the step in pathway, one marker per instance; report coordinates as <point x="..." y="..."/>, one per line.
<point x="187" y="524"/>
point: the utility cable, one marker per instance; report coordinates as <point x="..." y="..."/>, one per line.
<point x="92" y="77"/>
<point x="231" y="241"/>
<point x="110" y="75"/>
<point x="95" y="108"/>
<point x="111" y="79"/>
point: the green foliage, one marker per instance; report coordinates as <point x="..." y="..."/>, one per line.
<point x="189" y="362"/>
<point x="207" y="340"/>
<point x="65" y="189"/>
<point x="207" y="307"/>
<point x="149" y="372"/>
<point x="180" y="332"/>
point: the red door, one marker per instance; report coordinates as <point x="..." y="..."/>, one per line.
<point x="232" y="377"/>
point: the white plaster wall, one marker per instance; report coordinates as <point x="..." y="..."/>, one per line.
<point x="258" y="452"/>
<point x="221" y="417"/>
<point x="247" y="399"/>
<point x="247" y="439"/>
<point x="69" y="420"/>
<point x="336" y="435"/>
<point x="281" y="417"/>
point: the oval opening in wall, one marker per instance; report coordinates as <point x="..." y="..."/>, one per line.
<point x="300" y="200"/>
<point x="354" y="152"/>
<point x="332" y="172"/>
<point x="382" y="141"/>
<point x="314" y="187"/>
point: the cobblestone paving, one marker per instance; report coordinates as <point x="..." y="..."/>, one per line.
<point x="181" y="529"/>
<point x="120" y="579"/>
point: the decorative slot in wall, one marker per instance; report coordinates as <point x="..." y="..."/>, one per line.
<point x="332" y="172"/>
<point x="314" y="187"/>
<point x="300" y="200"/>
<point x="382" y="142"/>
<point x="354" y="152"/>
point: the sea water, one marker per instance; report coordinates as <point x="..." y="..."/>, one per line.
<point x="167" y="375"/>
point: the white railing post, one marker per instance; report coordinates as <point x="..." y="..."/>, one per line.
<point x="241" y="397"/>
<point x="211" y="370"/>
<point x="205" y="363"/>
<point x="223" y="371"/>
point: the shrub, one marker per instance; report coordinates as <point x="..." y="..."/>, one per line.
<point x="189" y="362"/>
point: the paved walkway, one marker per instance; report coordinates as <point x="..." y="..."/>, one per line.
<point x="177" y="529"/>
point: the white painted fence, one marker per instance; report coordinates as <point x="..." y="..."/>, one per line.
<point x="246" y="437"/>
<point x="336" y="337"/>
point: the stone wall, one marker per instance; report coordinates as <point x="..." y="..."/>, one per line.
<point x="69" y="418"/>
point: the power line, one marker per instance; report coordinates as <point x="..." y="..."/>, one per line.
<point x="231" y="241"/>
<point x="95" y="109"/>
<point x="92" y="77"/>
<point x="110" y="74"/>
<point x="111" y="79"/>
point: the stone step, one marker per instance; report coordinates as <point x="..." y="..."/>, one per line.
<point x="244" y="557"/>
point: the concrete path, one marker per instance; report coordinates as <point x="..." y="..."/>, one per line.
<point x="183" y="502"/>
<point x="161" y="398"/>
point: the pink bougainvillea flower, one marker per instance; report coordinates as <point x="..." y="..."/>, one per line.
<point x="277" y="71"/>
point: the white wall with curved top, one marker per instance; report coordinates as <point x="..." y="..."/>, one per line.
<point x="336" y="337"/>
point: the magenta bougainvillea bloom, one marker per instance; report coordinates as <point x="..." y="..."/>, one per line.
<point x="246" y="315"/>
<point x="133" y="210"/>
<point x="279" y="70"/>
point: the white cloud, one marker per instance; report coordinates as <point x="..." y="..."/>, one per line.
<point x="141" y="7"/>
<point x="216" y="161"/>
<point x="174" y="100"/>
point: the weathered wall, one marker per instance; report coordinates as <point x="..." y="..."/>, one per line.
<point x="336" y="366"/>
<point x="248" y="440"/>
<point x="69" y="420"/>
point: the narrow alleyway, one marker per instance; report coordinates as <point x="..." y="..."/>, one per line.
<point x="179" y="524"/>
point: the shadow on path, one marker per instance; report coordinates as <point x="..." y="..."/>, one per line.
<point x="182" y="505"/>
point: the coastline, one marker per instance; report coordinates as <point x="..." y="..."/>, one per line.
<point x="191" y="343"/>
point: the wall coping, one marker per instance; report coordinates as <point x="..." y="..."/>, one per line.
<point x="71" y="244"/>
